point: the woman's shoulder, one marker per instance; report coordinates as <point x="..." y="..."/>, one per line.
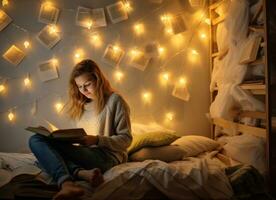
<point x="115" y="98"/>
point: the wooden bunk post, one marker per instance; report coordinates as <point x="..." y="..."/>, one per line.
<point x="270" y="30"/>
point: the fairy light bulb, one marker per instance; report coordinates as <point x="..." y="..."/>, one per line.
<point x="203" y="35"/>
<point x="134" y="53"/>
<point x="48" y="6"/>
<point x="166" y="18"/>
<point x="118" y="75"/>
<point x="161" y="50"/>
<point x="54" y="61"/>
<point x="11" y="116"/>
<point x="5" y="3"/>
<point x="89" y="24"/>
<point x="127" y="6"/>
<point x="53" y="29"/>
<point x="58" y="106"/>
<point x="27" y="81"/>
<point x="146" y="96"/>
<point x="182" y="81"/>
<point x="2" y="88"/>
<point x="169" y="116"/>
<point x="207" y="21"/>
<point x="78" y="55"/>
<point x="138" y="28"/>
<point x="194" y="52"/>
<point x="26" y="44"/>
<point x="95" y="39"/>
<point x="165" y="76"/>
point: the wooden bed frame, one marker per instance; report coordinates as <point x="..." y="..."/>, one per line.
<point x="266" y="89"/>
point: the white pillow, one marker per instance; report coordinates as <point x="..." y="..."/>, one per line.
<point x="247" y="149"/>
<point x="151" y="127"/>
<point x="193" y="145"/>
<point x="166" y="153"/>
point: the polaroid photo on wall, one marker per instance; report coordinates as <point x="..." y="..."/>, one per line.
<point x="113" y="55"/>
<point x="14" y="55"/>
<point x="181" y="92"/>
<point x="5" y="20"/>
<point x="117" y="12"/>
<point x="139" y="60"/>
<point x="47" y="71"/>
<point x="98" y="18"/>
<point x="47" y="37"/>
<point x="178" y="24"/>
<point x="84" y="16"/>
<point x="48" y="13"/>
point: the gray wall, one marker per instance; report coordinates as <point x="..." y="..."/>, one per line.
<point x="189" y="116"/>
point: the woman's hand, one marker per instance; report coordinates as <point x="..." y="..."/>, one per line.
<point x="90" y="140"/>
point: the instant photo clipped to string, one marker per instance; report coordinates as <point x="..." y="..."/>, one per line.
<point x="49" y="36"/>
<point x="98" y="18"/>
<point x="139" y="60"/>
<point x="5" y="20"/>
<point x="113" y="55"/>
<point x="181" y="91"/>
<point x="117" y="12"/>
<point x="48" y="13"/>
<point x="84" y="17"/>
<point x="48" y="71"/>
<point x="14" y="55"/>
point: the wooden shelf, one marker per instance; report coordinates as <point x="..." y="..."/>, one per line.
<point x="257" y="29"/>
<point x="235" y="128"/>
<point x="256" y="89"/>
<point x="257" y="62"/>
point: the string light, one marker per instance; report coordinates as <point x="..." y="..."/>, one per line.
<point x="169" y="116"/>
<point x="96" y="39"/>
<point x="11" y="116"/>
<point x="53" y="29"/>
<point x="203" y="35"/>
<point x="54" y="61"/>
<point x="127" y="6"/>
<point x="27" y="81"/>
<point x="194" y="52"/>
<point x="207" y="21"/>
<point x="89" y="24"/>
<point x="139" y="28"/>
<point x="58" y="107"/>
<point x="48" y="6"/>
<point x="146" y="96"/>
<point x="2" y="88"/>
<point x="26" y="44"/>
<point x="164" y="78"/>
<point x="5" y="3"/>
<point x="161" y="50"/>
<point x="182" y="81"/>
<point x="118" y="75"/>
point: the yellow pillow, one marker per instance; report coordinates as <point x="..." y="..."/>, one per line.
<point x="153" y="139"/>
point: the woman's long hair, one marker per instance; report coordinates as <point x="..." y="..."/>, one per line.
<point x="102" y="89"/>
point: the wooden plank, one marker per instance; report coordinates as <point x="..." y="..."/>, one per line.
<point x="253" y="86"/>
<point x="217" y="20"/>
<point x="257" y="62"/>
<point x="253" y="114"/>
<point x="257" y="29"/>
<point x="240" y="128"/>
<point x="215" y="5"/>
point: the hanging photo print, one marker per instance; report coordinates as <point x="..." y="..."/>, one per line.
<point x="5" y="20"/>
<point x="117" y="12"/>
<point x="48" y="70"/>
<point x="14" y="55"/>
<point x="113" y="55"/>
<point x="48" y="13"/>
<point x="49" y="36"/>
<point x="139" y="60"/>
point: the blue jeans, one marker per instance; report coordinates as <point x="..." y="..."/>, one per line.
<point x="63" y="160"/>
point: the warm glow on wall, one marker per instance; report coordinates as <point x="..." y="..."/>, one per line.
<point x="78" y="55"/>
<point x="54" y="61"/>
<point x="161" y="50"/>
<point x="182" y="81"/>
<point x="26" y="44"/>
<point x="147" y="97"/>
<point x="138" y="28"/>
<point x="11" y="116"/>
<point x="202" y="35"/>
<point x="207" y="21"/>
<point x="89" y="24"/>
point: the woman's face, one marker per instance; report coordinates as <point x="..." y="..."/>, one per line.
<point x="86" y="85"/>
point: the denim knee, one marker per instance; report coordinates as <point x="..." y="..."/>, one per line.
<point x="34" y="140"/>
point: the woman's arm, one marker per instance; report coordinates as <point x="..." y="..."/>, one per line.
<point x="121" y="139"/>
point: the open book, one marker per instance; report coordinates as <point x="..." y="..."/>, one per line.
<point x="72" y="134"/>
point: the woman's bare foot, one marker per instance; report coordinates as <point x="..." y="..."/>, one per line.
<point x="93" y="176"/>
<point x="69" y="191"/>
